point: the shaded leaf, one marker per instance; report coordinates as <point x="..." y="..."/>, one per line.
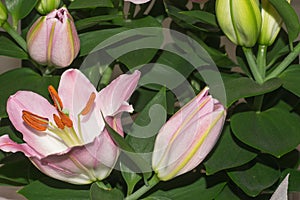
<point x="290" y="79"/>
<point x="255" y="179"/>
<point x="79" y="4"/>
<point x="23" y="79"/>
<point x="267" y="131"/>
<point x="11" y="49"/>
<point x="97" y="193"/>
<point x="228" y="148"/>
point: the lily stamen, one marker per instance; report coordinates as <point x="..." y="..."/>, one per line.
<point x="34" y="121"/>
<point x="89" y="104"/>
<point x="56" y="99"/>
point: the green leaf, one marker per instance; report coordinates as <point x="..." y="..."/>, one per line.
<point x="227" y="194"/>
<point x="255" y="179"/>
<point x="198" y="190"/>
<point x="92" y="21"/>
<point x="128" y="150"/>
<point x="227" y="145"/>
<point x="267" y="131"/>
<point x="79" y="4"/>
<point x="20" y="8"/>
<point x="289" y="16"/>
<point x="12" y="133"/>
<point x="90" y="40"/>
<point x="294" y="179"/>
<point x="142" y="134"/>
<point x="202" y="16"/>
<point x="23" y="79"/>
<point x="38" y="190"/>
<point x="97" y="193"/>
<point x="15" y="172"/>
<point x="237" y="88"/>
<point x="11" y="49"/>
<point x="290" y="79"/>
<point x="131" y="178"/>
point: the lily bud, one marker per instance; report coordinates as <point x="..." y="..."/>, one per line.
<point x="185" y="140"/>
<point x="46" y="6"/>
<point x="53" y="40"/>
<point x="240" y="20"/>
<point x="271" y="23"/>
<point x="3" y="14"/>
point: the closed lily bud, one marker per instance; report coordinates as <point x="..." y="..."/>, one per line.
<point x="271" y="23"/>
<point x="53" y="40"/>
<point x="186" y="139"/>
<point x="3" y="14"/>
<point x="240" y="20"/>
<point x="46" y="6"/>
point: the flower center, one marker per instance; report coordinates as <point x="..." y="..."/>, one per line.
<point x="63" y="125"/>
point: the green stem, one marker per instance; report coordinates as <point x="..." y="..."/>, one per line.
<point x="261" y="59"/>
<point x="258" y="102"/>
<point x="252" y="64"/>
<point x="15" y="35"/>
<point x="285" y="63"/>
<point x="152" y="182"/>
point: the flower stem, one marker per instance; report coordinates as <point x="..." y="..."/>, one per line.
<point x="252" y="64"/>
<point x="285" y="63"/>
<point x="261" y="59"/>
<point x="15" y="35"/>
<point x="152" y="182"/>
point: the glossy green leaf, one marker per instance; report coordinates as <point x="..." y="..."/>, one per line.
<point x="37" y="190"/>
<point x="237" y="88"/>
<point x="20" y="8"/>
<point x="255" y="179"/>
<point x="202" y="16"/>
<point x="229" y="151"/>
<point x="97" y="193"/>
<point x="79" y="4"/>
<point x="8" y="130"/>
<point x="128" y="150"/>
<point x="90" y="40"/>
<point x="267" y="131"/>
<point x="137" y="23"/>
<point x="131" y="178"/>
<point x="11" y="49"/>
<point x="227" y="194"/>
<point x="294" y="179"/>
<point x="15" y="172"/>
<point x="198" y="190"/>
<point x="23" y="79"/>
<point x="289" y="16"/>
<point x="142" y="134"/>
<point x="92" y="21"/>
<point x="290" y="79"/>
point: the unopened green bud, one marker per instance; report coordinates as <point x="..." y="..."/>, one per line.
<point x="271" y="23"/>
<point x="3" y="14"/>
<point x="46" y="6"/>
<point x="240" y="20"/>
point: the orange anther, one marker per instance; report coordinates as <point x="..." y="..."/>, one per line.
<point x="89" y="104"/>
<point x="58" y="122"/>
<point x="34" y="121"/>
<point x="65" y="119"/>
<point x="56" y="99"/>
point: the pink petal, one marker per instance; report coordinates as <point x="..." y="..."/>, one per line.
<point x="7" y="145"/>
<point x="82" y="165"/>
<point x="75" y="90"/>
<point x="43" y="142"/>
<point x="64" y="49"/>
<point x="37" y="41"/>
<point x="191" y="146"/>
<point x="201" y="102"/>
<point x="112" y="99"/>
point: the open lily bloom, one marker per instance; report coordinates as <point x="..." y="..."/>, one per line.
<point x="68" y="140"/>
<point x="189" y="135"/>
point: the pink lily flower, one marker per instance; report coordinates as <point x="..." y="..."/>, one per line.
<point x="68" y="140"/>
<point x="53" y="40"/>
<point x="189" y="135"/>
<point x="138" y="1"/>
